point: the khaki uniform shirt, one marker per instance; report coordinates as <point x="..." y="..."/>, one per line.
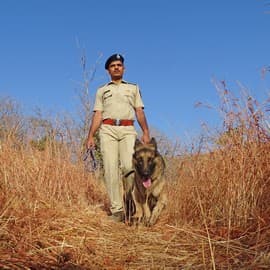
<point x="118" y="101"/>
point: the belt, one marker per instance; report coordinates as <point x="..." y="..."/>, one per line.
<point x="118" y="122"/>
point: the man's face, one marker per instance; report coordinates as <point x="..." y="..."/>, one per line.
<point x="116" y="69"/>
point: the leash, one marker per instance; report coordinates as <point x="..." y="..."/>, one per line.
<point x="89" y="160"/>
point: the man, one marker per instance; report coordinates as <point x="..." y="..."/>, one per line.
<point x="116" y="105"/>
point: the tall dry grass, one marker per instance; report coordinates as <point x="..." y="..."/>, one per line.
<point x="53" y="212"/>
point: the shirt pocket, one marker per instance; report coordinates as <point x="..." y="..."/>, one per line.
<point x="129" y="98"/>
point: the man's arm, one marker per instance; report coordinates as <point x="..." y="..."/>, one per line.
<point x="143" y="124"/>
<point x="95" y="124"/>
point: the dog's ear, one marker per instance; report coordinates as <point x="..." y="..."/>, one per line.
<point x="153" y="142"/>
<point x="137" y="143"/>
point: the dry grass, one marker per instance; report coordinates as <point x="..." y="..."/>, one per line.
<point x="53" y="213"/>
<point x="51" y="216"/>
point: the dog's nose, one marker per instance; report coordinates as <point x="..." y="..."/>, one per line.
<point x="146" y="174"/>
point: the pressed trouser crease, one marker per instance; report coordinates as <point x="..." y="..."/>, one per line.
<point x="117" y="144"/>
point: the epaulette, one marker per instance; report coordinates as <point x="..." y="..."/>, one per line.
<point x="102" y="85"/>
<point x="131" y="83"/>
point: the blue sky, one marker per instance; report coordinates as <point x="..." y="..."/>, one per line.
<point x="173" y="50"/>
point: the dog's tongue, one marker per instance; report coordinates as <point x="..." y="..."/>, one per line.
<point x="147" y="182"/>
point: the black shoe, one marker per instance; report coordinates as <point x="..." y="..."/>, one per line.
<point x="118" y="216"/>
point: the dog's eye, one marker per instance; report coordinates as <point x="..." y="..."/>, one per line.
<point x="150" y="159"/>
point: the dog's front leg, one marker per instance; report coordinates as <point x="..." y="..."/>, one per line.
<point x="147" y="213"/>
<point x="137" y="217"/>
<point x="161" y="203"/>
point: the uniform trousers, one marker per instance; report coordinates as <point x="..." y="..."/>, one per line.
<point x="117" y="147"/>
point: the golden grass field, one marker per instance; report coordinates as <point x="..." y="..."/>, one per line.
<point x="53" y="212"/>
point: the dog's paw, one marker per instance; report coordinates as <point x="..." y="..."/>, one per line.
<point x="153" y="220"/>
<point x="146" y="221"/>
<point x="128" y="220"/>
<point x="137" y="218"/>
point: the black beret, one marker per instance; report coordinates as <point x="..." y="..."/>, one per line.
<point x="114" y="57"/>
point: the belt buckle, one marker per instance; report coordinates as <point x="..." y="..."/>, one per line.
<point x="117" y="122"/>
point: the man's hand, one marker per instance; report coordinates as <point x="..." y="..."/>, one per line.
<point x="90" y="143"/>
<point x="145" y="138"/>
<point x="95" y="124"/>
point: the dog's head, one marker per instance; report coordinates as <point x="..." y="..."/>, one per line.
<point x="144" y="160"/>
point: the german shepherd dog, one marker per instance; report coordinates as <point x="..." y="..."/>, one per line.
<point x="147" y="190"/>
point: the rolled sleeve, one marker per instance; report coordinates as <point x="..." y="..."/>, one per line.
<point x="98" y="106"/>
<point x="138" y="98"/>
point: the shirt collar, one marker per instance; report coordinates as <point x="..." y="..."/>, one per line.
<point x="114" y="83"/>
